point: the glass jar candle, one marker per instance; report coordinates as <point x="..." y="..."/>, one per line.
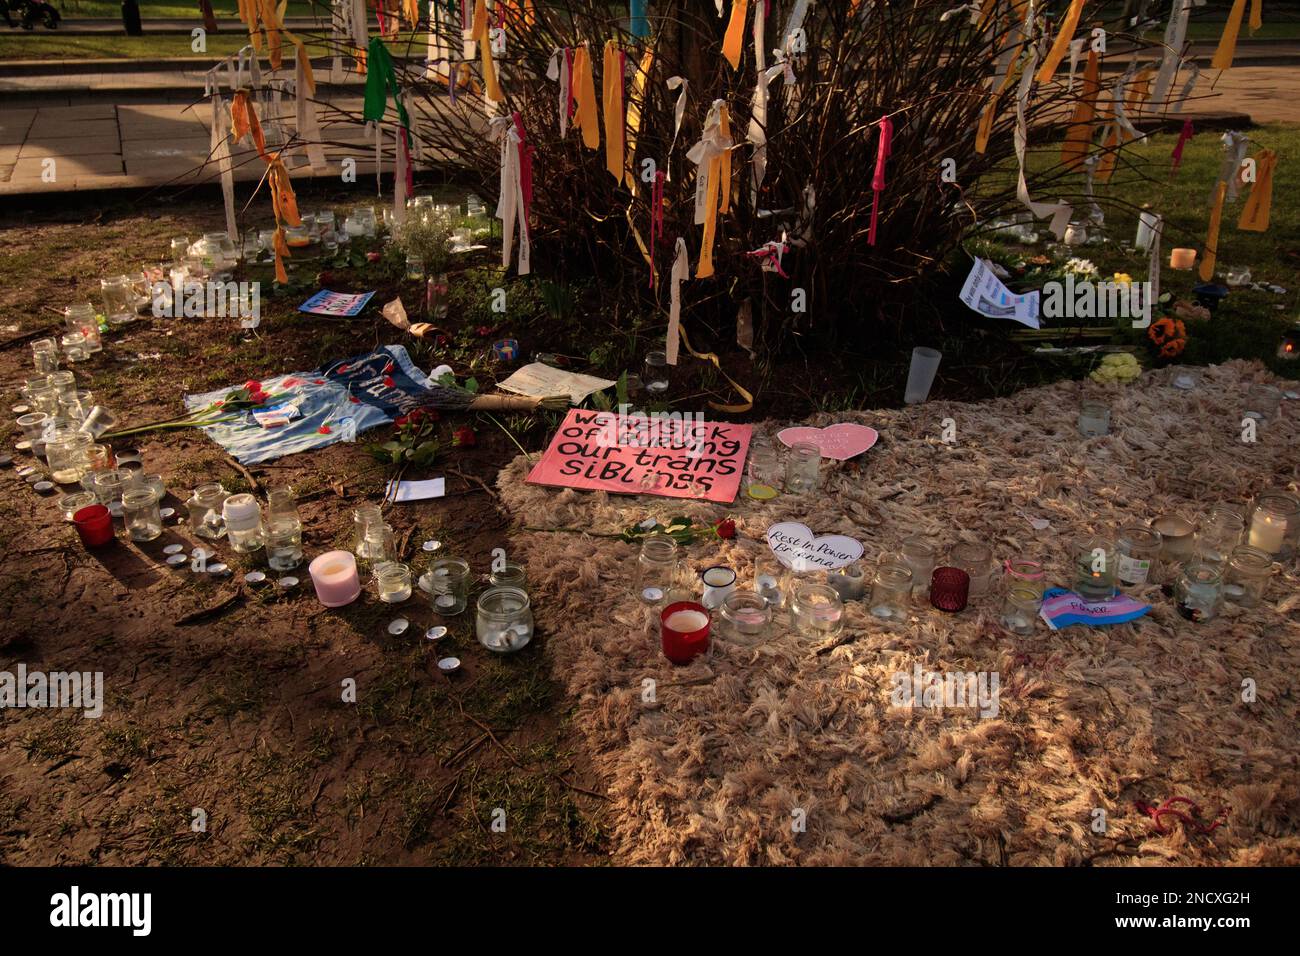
<point x="140" y="514"/>
<point x="655" y="373"/>
<point x="891" y="591"/>
<point x="380" y="543"/>
<point x="72" y="503"/>
<point x="65" y="453"/>
<point x="414" y="268"/>
<point x="155" y="482"/>
<point x="1274" y="524"/>
<point x="1198" y="592"/>
<point x="80" y="317"/>
<point x="179" y="248"/>
<point x="802" y="468"/>
<point x="447" y="586"/>
<point x="505" y="619"/>
<point x="1094" y="568"/>
<point x="949" y="589"/>
<point x="1020" y="610"/>
<point x="762" y="473"/>
<point x="1177" y="538"/>
<point x="849" y="582"/>
<point x="76" y="407"/>
<point x="1247" y="575"/>
<point x="109" y="486"/>
<point x="362" y="518"/>
<point x="817" y="610"/>
<point x="746" y="616"/>
<point x="118" y="294"/>
<point x="510" y="576"/>
<point x="204" y="506"/>
<point x="243" y="518"/>
<point x="977" y="561"/>
<point x="656" y="569"/>
<point x="1076" y="233"/>
<point x="1262" y="402"/>
<point x="45" y="398"/>
<point x="284" y="544"/>
<point x="768" y="572"/>
<point x="1094" y="419"/>
<point x="1219" y="532"/>
<point x="74" y="347"/>
<point x="98" y="458"/>
<point x="393" y="581"/>
<point x="921" y="556"/>
<point x="64" y="381"/>
<point x="1024" y="573"/>
<point x="45" y="356"/>
<point x="1137" y="549"/>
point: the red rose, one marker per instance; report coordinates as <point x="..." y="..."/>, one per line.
<point x="318" y="381"/>
<point x="324" y="429"/>
<point x="726" y="528"/>
<point x="372" y="257"/>
<point x="259" y="398"/>
<point x="483" y="331"/>
<point x="388" y="380"/>
<point x="253" y="386"/>
<point x="354" y="400"/>
<point x="465" y="436"/>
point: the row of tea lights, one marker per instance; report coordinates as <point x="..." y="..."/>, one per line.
<point x="1228" y="556"/>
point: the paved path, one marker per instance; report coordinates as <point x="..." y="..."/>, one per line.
<point x="103" y="145"/>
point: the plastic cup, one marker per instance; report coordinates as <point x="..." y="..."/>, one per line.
<point x="925" y="363"/>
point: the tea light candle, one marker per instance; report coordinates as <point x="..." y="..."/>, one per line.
<point x="334" y="574"/>
<point x="1267" y="532"/>
<point x="1182" y="259"/>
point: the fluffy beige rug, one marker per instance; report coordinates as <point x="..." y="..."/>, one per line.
<point x="776" y="754"/>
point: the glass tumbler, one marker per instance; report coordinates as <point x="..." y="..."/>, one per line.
<point x="204" y="507"/>
<point x="504" y="622"/>
<point x="921" y="556"/>
<point x="802" y="468"/>
<point x="119" y="299"/>
<point x="447" y="586"/>
<point x="1218" y="534"/>
<point x="655" y="373"/>
<point x="1094" y="568"/>
<point x="1024" y="573"/>
<point x="45" y="356"/>
<point x="141" y="515"/>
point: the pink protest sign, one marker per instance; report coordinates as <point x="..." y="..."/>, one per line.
<point x="672" y="455"/>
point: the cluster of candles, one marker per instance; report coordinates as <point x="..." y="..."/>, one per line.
<point x="766" y="476"/>
<point x="1227" y="556"/>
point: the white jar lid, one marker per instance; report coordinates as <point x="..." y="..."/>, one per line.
<point x="241" y="512"/>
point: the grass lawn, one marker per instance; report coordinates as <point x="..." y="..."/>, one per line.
<point x="1249" y="323"/>
<point x="153" y="10"/>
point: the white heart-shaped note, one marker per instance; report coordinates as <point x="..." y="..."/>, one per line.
<point x="796" y="547"/>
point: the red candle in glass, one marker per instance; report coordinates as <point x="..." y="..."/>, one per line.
<point x="949" y="589"/>
<point x="685" y="638"/>
<point x="94" y="523"/>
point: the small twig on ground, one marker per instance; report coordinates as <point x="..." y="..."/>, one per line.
<point x="474" y="478"/>
<point x="207" y="612"/>
<point x="248" y="475"/>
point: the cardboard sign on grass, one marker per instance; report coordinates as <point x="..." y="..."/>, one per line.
<point x="670" y="455"/>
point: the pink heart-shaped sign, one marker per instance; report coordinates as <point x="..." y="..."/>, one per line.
<point x="839" y="442"/>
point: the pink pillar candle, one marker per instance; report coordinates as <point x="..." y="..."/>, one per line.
<point x="335" y="575"/>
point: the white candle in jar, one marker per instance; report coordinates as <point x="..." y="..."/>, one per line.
<point x="686" y="621"/>
<point x="1267" y="532"/>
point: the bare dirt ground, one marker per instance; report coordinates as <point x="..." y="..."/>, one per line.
<point x="239" y="712"/>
